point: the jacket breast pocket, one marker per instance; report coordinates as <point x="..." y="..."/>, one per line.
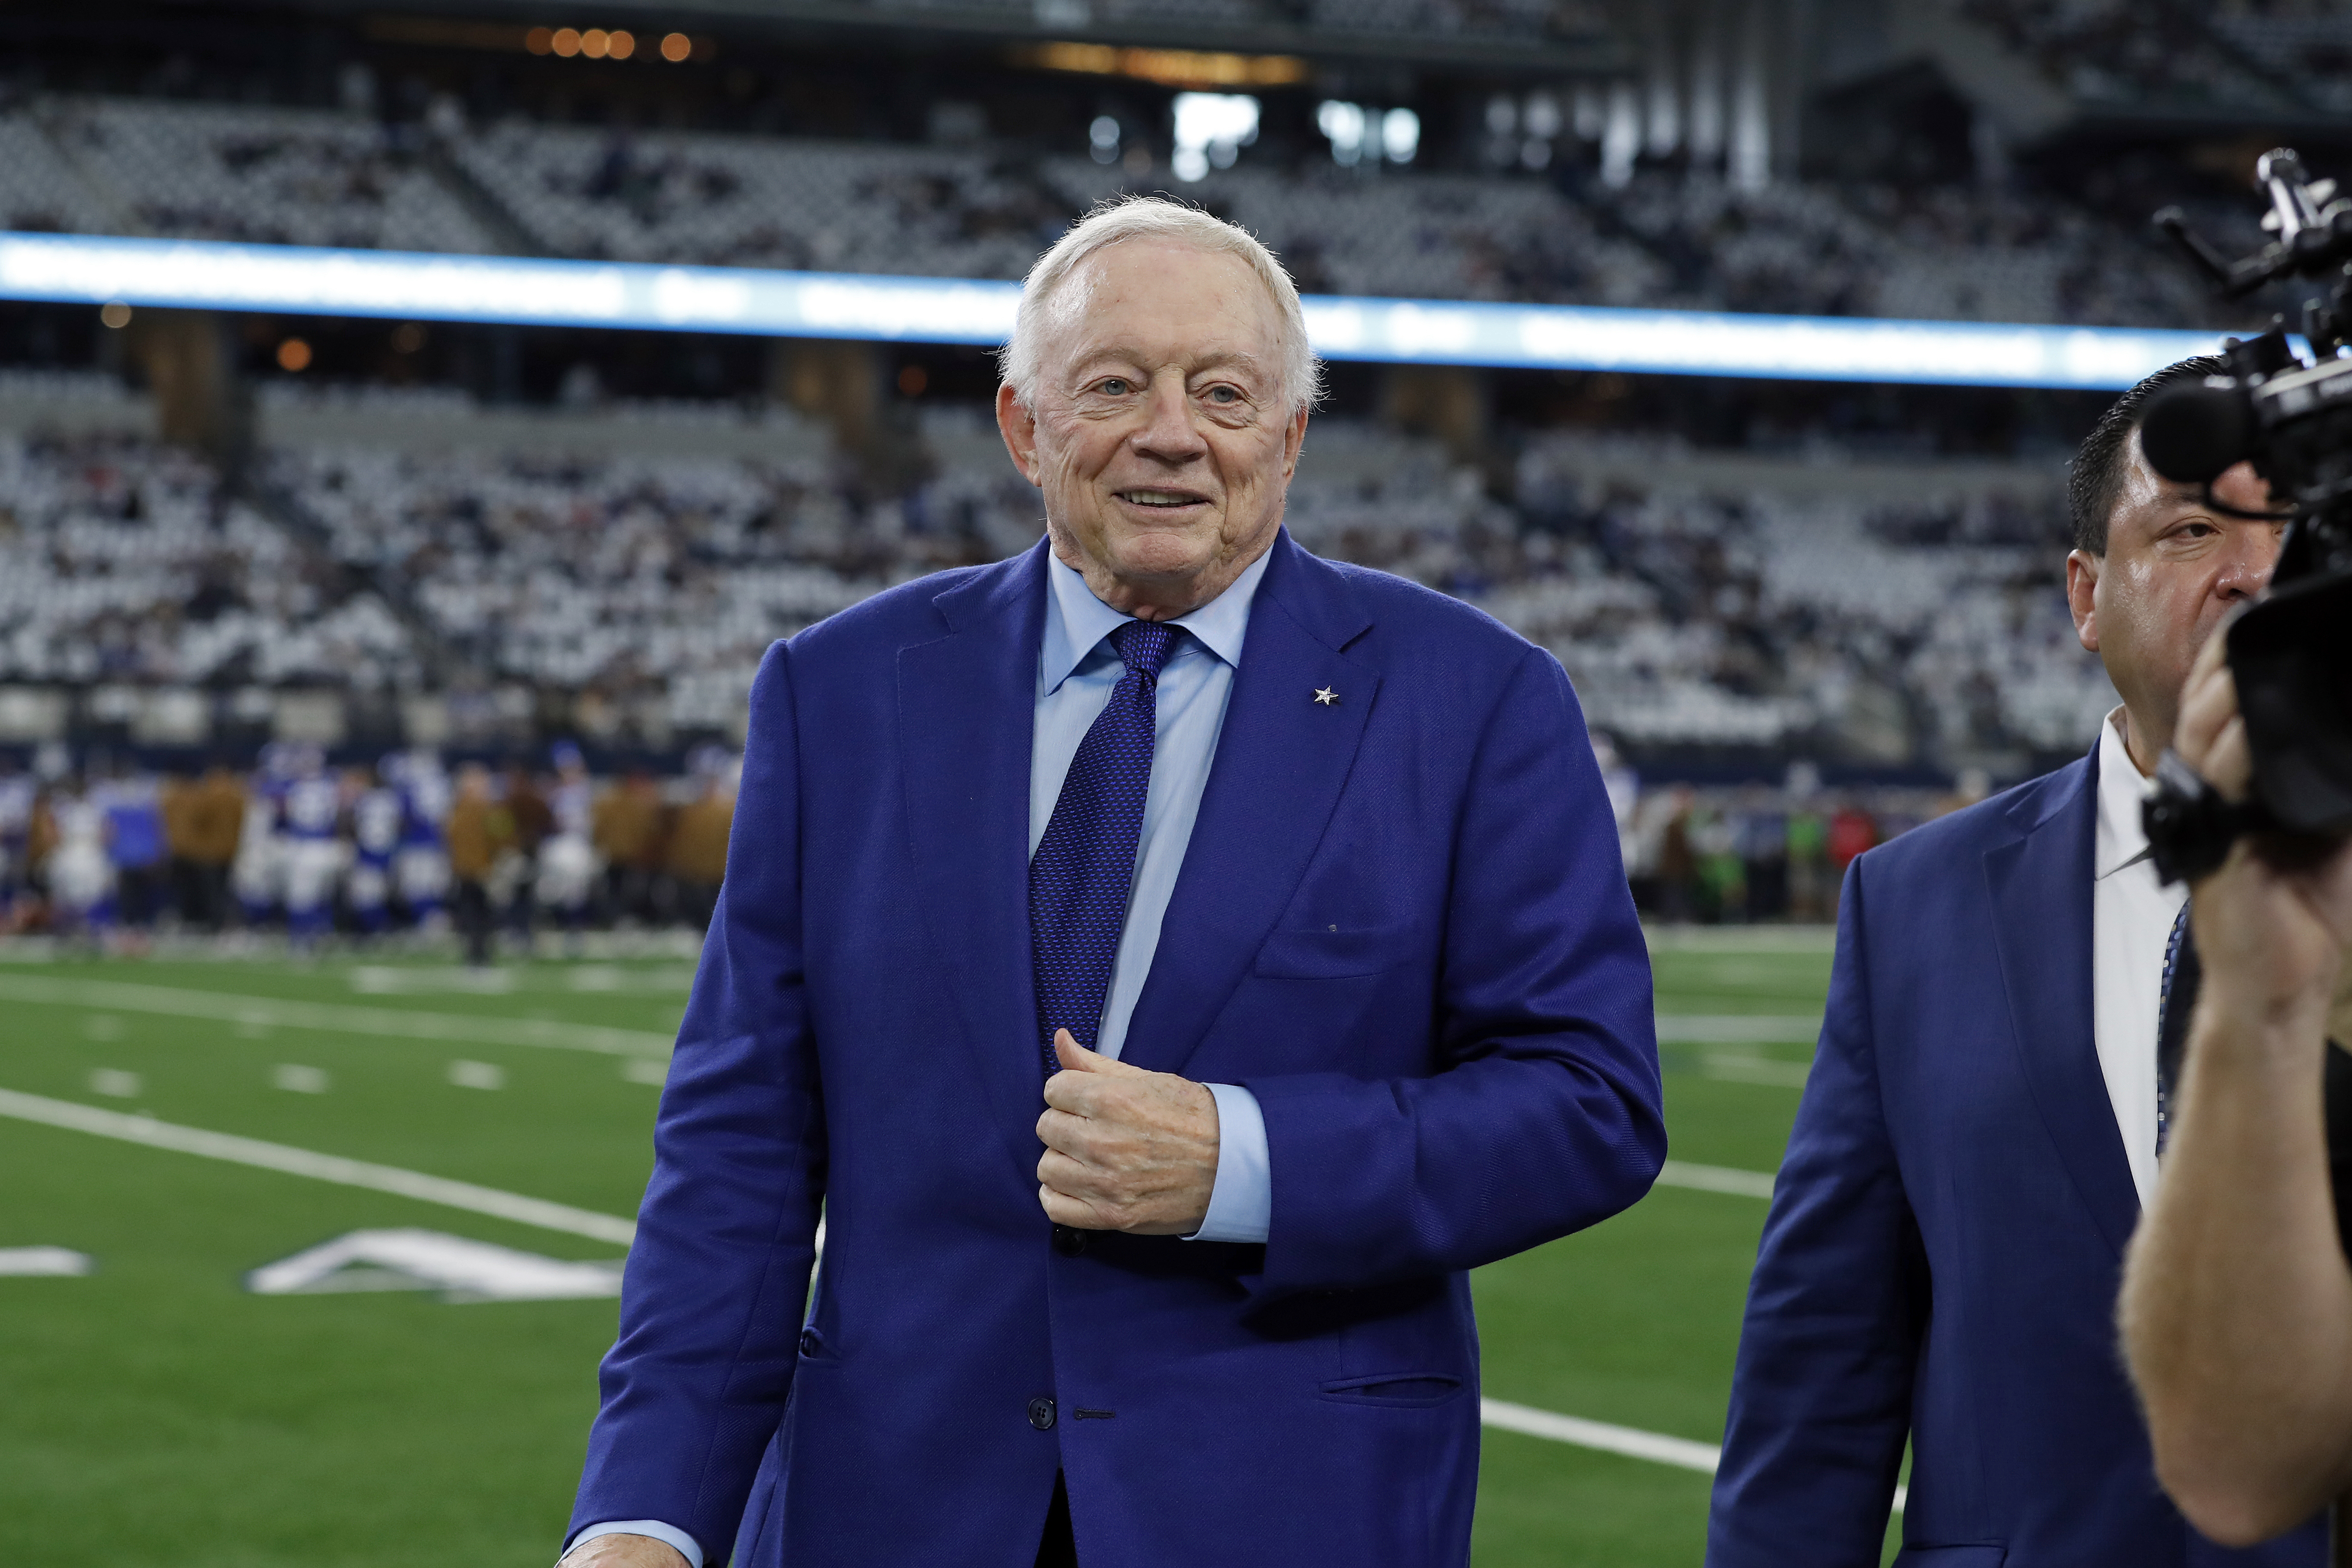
<point x="1337" y="952"/>
<point x="1981" y="1556"/>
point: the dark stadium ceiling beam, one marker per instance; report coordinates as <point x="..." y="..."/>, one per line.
<point x="845" y="21"/>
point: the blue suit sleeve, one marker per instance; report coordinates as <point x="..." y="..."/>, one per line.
<point x="711" y="1303"/>
<point x="1541" y="1115"/>
<point x="1821" y="1398"/>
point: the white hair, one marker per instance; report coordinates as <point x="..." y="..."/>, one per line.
<point x="1123" y="218"/>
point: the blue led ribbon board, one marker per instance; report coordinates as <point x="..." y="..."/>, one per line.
<point x="413" y="285"/>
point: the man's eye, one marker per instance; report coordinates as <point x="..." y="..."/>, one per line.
<point x="1115" y="386"/>
<point x="1223" y="395"/>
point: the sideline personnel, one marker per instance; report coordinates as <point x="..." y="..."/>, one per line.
<point x="1977" y="1135"/>
<point x="2237" y="1302"/>
<point x="1288" y="892"/>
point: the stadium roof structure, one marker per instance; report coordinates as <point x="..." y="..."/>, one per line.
<point x="307" y="280"/>
<point x="1273" y="31"/>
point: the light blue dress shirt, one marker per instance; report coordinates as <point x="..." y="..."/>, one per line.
<point x="1076" y="669"/>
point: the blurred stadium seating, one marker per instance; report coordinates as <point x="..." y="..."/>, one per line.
<point x="641" y="584"/>
<point x="1695" y="241"/>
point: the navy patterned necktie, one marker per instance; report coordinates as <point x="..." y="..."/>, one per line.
<point x="1084" y="870"/>
<point x="2175" y="1002"/>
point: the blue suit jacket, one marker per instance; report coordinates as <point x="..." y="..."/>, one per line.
<point x="1946" y="1238"/>
<point x="1401" y="923"/>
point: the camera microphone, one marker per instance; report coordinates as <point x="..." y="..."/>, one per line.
<point x="2196" y="431"/>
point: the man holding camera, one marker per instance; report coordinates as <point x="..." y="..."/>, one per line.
<point x="2237" y="1308"/>
<point x="1978" y="1134"/>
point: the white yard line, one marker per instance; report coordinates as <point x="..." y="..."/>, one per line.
<point x="1738" y="1028"/>
<point x="1740" y="1068"/>
<point x="330" y="1018"/>
<point x="292" y="1161"/>
<point x="1655" y="1447"/>
<point x="1631" y="1441"/>
<point x="1716" y="1179"/>
<point x="1760" y="940"/>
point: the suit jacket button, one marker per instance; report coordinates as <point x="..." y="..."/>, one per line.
<point x="810" y="1343"/>
<point x="1041" y="1415"/>
<point x="1069" y="1242"/>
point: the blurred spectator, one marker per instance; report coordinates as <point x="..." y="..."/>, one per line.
<point x="1763" y="833"/>
<point x="629" y="829"/>
<point x="310" y="815"/>
<point x="567" y="860"/>
<point x="201" y="819"/>
<point x="421" y="866"/>
<point x="1678" y="856"/>
<point x="17" y="794"/>
<point x="479" y="831"/>
<point x="532" y="822"/>
<point x="79" y="872"/>
<point x="37" y="908"/>
<point x="1852" y="831"/>
<point x="1624" y="784"/>
<point x="1722" y="877"/>
<point x="1810" y="890"/>
<point x="135" y="845"/>
<point x="698" y="850"/>
<point x="376" y="813"/>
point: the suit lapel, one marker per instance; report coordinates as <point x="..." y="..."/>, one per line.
<point x="1281" y="761"/>
<point x="2041" y="886"/>
<point x="967" y="704"/>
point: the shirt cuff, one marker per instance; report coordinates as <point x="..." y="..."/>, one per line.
<point x="669" y="1534"/>
<point x="1241" y="1203"/>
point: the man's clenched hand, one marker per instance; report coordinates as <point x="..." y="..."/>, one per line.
<point x="1126" y="1149"/>
<point x="2271" y="935"/>
<point x="623" y="1552"/>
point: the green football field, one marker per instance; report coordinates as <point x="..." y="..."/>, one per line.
<point x="155" y="1411"/>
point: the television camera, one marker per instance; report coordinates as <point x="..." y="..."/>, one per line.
<point x="2289" y="413"/>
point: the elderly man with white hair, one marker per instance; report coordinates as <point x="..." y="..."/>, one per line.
<point x="1166" y="963"/>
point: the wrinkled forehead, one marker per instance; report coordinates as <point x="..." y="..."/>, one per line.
<point x="1166" y="302"/>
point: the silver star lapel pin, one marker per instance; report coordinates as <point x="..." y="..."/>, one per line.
<point x="1324" y="697"/>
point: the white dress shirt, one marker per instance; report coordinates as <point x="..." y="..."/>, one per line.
<point x="2131" y="922"/>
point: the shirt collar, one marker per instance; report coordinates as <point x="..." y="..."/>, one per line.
<point x="1077" y="622"/>
<point x="2122" y="840"/>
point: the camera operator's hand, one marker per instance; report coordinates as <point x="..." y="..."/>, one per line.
<point x="2271" y="935"/>
<point x="2237" y="1303"/>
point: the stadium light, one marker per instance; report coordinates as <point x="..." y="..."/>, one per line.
<point x="1211" y="128"/>
<point x="304" y="280"/>
<point x="1342" y="125"/>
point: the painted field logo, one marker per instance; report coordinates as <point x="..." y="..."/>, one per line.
<point x="461" y="1269"/>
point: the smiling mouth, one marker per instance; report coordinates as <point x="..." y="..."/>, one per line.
<point x="1163" y="501"/>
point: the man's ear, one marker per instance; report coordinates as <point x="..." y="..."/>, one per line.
<point x="2082" y="596"/>
<point x="1019" y="428"/>
<point x="1293" y="440"/>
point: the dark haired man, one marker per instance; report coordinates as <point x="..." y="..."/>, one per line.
<point x="1978" y="1137"/>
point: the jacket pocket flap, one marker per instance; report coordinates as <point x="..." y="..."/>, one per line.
<point x="1335" y="953"/>
<point x="1405" y="1390"/>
